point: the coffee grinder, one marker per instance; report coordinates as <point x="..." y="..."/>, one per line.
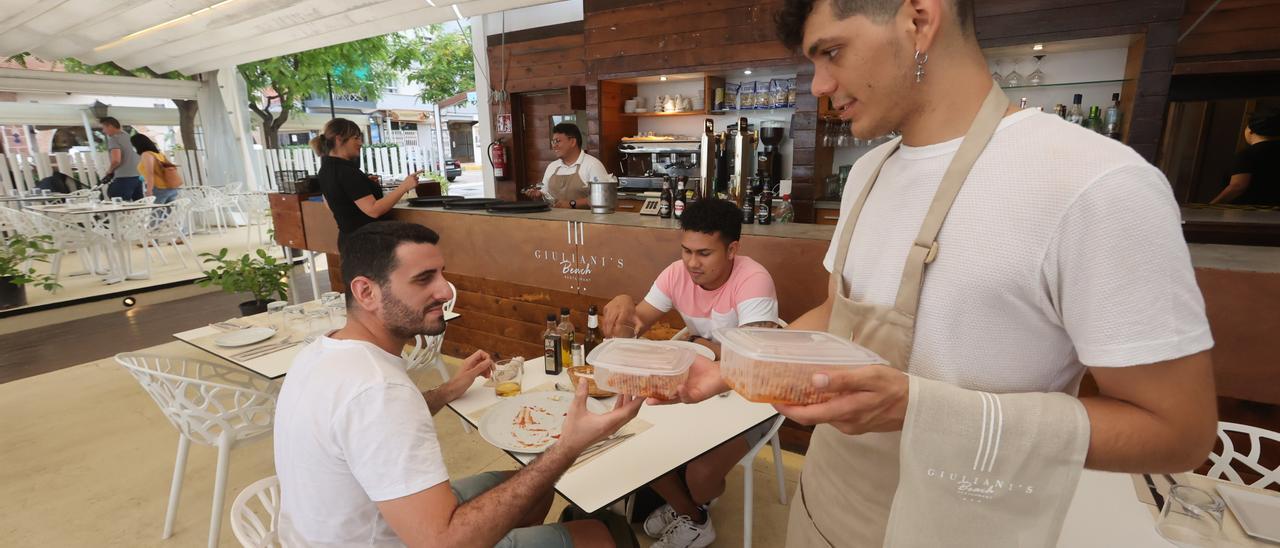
<point x="769" y="158"/>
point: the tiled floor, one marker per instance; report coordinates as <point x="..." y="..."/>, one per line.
<point x="87" y="458"/>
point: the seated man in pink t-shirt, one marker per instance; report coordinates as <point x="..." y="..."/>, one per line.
<point x="712" y="287"/>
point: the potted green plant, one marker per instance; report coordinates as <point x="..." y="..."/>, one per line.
<point x="16" y="270"/>
<point x="260" y="275"/>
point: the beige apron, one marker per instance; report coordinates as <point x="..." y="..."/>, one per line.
<point x="848" y="483"/>
<point x="567" y="188"/>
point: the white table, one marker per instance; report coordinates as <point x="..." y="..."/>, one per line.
<point x="272" y="366"/>
<point x="680" y="433"/>
<point x="123" y="251"/>
<point x="21" y="201"/>
<point x="1106" y="512"/>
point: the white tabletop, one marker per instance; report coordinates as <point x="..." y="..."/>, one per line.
<point x="680" y="433"/>
<point x="104" y="207"/>
<point x="35" y="198"/>
<point x="272" y="366"/>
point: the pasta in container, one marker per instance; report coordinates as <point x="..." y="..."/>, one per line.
<point x="640" y="367"/>
<point x="777" y="365"/>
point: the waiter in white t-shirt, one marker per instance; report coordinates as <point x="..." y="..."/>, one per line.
<point x="565" y="183"/>
<point x="1061" y="252"/>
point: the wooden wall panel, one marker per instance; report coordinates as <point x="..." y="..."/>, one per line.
<point x="1234" y="29"/>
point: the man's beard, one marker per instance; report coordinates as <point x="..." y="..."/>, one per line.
<point x="404" y="322"/>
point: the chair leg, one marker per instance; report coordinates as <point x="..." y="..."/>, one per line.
<point x="777" y="467"/>
<point x="179" y="468"/>
<point x="219" y="491"/>
<point x="55" y="266"/>
<point x="748" y="497"/>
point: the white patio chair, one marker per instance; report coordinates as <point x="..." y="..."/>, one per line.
<point x="258" y="525"/>
<point x="134" y="227"/>
<point x="211" y="404"/>
<point x="85" y="241"/>
<point x="426" y="351"/>
<point x="203" y="207"/>
<point x="257" y="211"/>
<point x="227" y="206"/>
<point x="1252" y="459"/>
<point x="166" y="228"/>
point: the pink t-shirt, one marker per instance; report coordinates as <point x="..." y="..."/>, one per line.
<point x="747" y="297"/>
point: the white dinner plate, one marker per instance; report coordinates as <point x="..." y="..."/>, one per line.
<point x="543" y="414"/>
<point x="701" y="350"/>
<point x="244" y="337"/>
<point x="1255" y="511"/>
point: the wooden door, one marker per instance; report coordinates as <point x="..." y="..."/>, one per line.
<point x="533" y="136"/>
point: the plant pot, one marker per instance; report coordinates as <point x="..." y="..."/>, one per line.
<point x="249" y="308"/>
<point x="11" y="294"/>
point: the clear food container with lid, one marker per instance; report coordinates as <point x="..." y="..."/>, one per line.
<point x="641" y="367"/>
<point x="777" y="365"/>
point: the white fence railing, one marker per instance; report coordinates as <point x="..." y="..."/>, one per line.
<point x="21" y="172"/>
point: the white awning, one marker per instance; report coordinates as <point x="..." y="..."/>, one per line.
<point x="43" y="114"/>
<point x="193" y="36"/>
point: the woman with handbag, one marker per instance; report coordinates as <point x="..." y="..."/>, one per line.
<point x="161" y="176"/>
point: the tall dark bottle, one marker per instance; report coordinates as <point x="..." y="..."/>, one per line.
<point x="677" y="207"/>
<point x="664" y="202"/>
<point x="593" y="337"/>
<point x="764" y="209"/>
<point x="749" y="206"/>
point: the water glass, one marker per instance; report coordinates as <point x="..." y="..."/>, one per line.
<point x="275" y="314"/>
<point x="506" y="377"/>
<point x="626" y="329"/>
<point x="318" y="321"/>
<point x="1191" y="518"/>
<point x="295" y="318"/>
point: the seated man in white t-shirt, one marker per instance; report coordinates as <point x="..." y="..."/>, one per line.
<point x="355" y="446"/>
<point x="712" y="287"/>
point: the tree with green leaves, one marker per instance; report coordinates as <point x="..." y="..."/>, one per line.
<point x="444" y="64"/>
<point x="187" y="108"/>
<point x="363" y="67"/>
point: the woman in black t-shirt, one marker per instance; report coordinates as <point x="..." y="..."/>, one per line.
<point x="354" y="198"/>
<point x="1255" y="175"/>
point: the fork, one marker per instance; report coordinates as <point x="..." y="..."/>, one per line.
<point x="266" y="349"/>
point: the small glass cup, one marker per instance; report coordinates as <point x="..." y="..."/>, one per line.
<point x="579" y="355"/>
<point x="506" y="377"/>
<point x="625" y="329"/>
<point x="275" y="314"/>
<point x="1191" y="517"/>
<point x="336" y="305"/>
<point x="295" y="318"/>
<point x="318" y="321"/>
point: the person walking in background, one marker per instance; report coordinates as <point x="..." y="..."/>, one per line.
<point x="158" y="174"/>
<point x="1255" y="174"/>
<point x="126" y="182"/>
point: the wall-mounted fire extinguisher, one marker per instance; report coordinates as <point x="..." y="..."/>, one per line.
<point x="498" y="159"/>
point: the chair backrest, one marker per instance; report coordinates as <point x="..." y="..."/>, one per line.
<point x="247" y="518"/>
<point x="206" y="402"/>
<point x="170" y="220"/>
<point x="1251" y="459"/>
<point x="448" y="307"/>
<point x="425" y="349"/>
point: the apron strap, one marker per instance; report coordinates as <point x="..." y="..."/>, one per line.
<point x="925" y="248"/>
<point x="850" y="222"/>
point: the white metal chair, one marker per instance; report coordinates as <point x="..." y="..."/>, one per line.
<point x="257" y="211"/>
<point x="68" y="237"/>
<point x="166" y="228"/>
<point x="426" y="351"/>
<point x="211" y="404"/>
<point x="1252" y="459"/>
<point x="247" y="518"/>
<point x="134" y="227"/>
<point x="203" y="207"/>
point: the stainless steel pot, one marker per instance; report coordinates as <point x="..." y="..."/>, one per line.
<point x="604" y="196"/>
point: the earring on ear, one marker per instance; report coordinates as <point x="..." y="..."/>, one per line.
<point x="921" y="59"/>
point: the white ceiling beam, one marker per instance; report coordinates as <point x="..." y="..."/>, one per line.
<point x="43" y="81"/>
<point x="257" y="29"/>
<point x="183" y="26"/>
<point x="116" y="24"/>
<point x="418" y="18"/>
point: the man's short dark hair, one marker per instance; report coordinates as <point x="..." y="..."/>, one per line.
<point x="791" y="18"/>
<point x="371" y="251"/>
<point x="713" y="217"/>
<point x="569" y="130"/>
<point x="1266" y="123"/>
<point x="109" y="121"/>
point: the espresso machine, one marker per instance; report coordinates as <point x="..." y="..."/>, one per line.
<point x="644" y="162"/>
<point x="743" y="167"/>
<point x="769" y="158"/>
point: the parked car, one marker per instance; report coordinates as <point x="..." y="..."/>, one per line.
<point x="452" y="169"/>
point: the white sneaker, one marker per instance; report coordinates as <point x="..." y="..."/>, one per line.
<point x="658" y="521"/>
<point x="684" y="533"/>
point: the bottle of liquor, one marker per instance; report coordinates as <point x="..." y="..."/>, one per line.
<point x="1095" y="119"/>
<point x="1111" y="121"/>
<point x="691" y="191"/>
<point x="552" y="357"/>
<point x="765" y="207"/>
<point x="664" y="202"/>
<point x="749" y="204"/>
<point x="593" y="337"/>
<point x="786" y="212"/>
<point x="1022" y="103"/>
<point x="1061" y="110"/>
<point x="677" y="208"/>
<point x="567" y="336"/>
<point x="1075" y="115"/>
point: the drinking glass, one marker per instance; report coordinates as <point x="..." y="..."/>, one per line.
<point x="1014" y="78"/>
<point x="336" y="304"/>
<point x="626" y="329"/>
<point x="318" y="320"/>
<point x="997" y="76"/>
<point x="1191" y="518"/>
<point x="275" y="314"/>
<point x="116" y="200"/>
<point x="506" y="377"/>
<point x="828" y="132"/>
<point x="1036" y="78"/>
<point x="295" y="318"/>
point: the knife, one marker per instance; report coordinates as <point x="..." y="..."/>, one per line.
<point x="1155" y="493"/>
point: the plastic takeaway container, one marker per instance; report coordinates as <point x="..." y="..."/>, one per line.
<point x="640" y="367"/>
<point x="777" y="365"/>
